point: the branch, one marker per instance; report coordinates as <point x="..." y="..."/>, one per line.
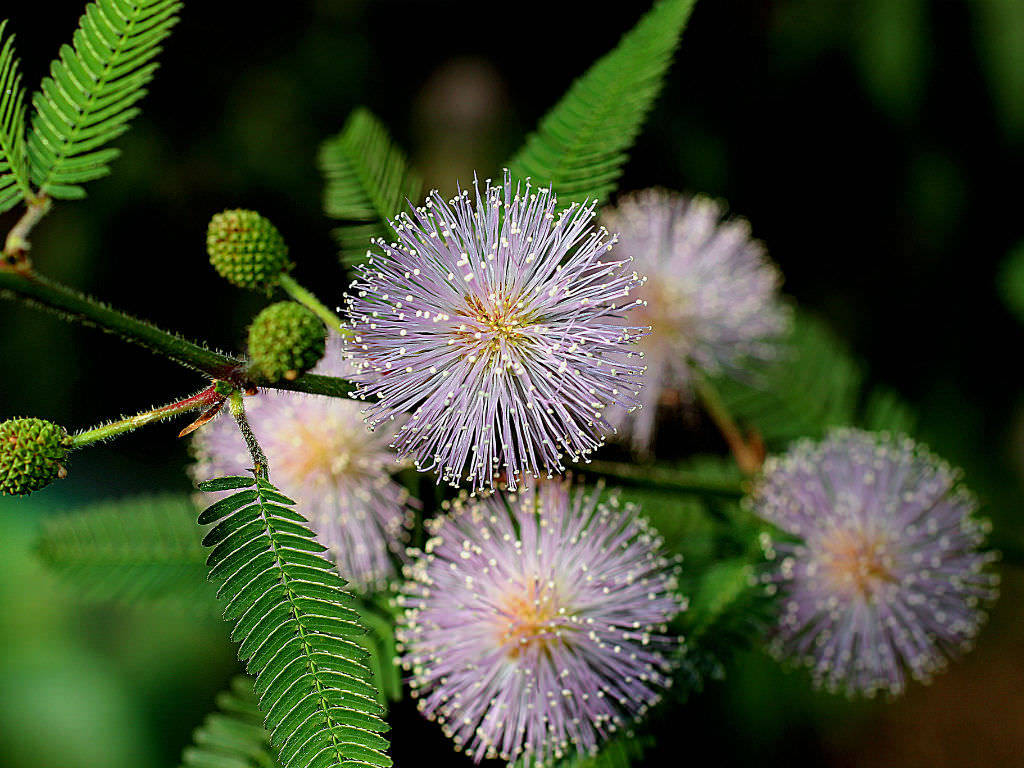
<point x="208" y="398"/>
<point x="22" y="283"/>
<point x="16" y="246"/>
<point x="660" y="478"/>
<point x="259" y="458"/>
<point x="73" y="306"/>
<point x="749" y="454"/>
<point x="312" y="303"/>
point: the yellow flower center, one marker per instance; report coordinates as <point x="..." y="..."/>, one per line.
<point x="494" y="329"/>
<point x="528" y="617"/>
<point x="856" y="562"/>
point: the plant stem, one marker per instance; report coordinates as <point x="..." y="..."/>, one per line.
<point x="72" y="305"/>
<point x="17" y="245"/>
<point x="664" y="479"/>
<point x="316" y="384"/>
<point x="312" y="303"/>
<point x="259" y="459"/>
<point x="22" y="283"/>
<point x="748" y="455"/>
<point x="205" y="399"/>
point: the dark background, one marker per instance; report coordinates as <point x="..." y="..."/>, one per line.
<point x="875" y="146"/>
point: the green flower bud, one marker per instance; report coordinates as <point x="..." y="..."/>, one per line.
<point x="285" y="340"/>
<point x="247" y="250"/>
<point x="31" y="452"/>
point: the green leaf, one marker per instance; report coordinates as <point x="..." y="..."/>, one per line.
<point x="14" y="176"/>
<point x="581" y="144"/>
<point x="234" y="736"/>
<point x="814" y="385"/>
<point x="368" y="180"/>
<point x="90" y="96"/>
<point x="296" y="630"/>
<point x="1011" y="281"/>
<point x="885" y="411"/>
<point x="139" y="549"/>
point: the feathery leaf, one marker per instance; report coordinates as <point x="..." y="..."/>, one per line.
<point x="581" y="144"/>
<point x="816" y="384"/>
<point x="813" y="386"/>
<point x="139" y="549"/>
<point x="368" y="180"/>
<point x="234" y="736"/>
<point x="14" y="176"/>
<point x="90" y="96"/>
<point x="297" y="631"/>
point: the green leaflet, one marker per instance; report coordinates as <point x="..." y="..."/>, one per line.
<point x="296" y="629"/>
<point x="581" y="144"/>
<point x="232" y="737"/>
<point x="367" y="182"/>
<point x="813" y="385"/>
<point x="1011" y="281"/>
<point x="142" y="549"/>
<point x="816" y="384"/>
<point x="14" y="178"/>
<point x="89" y="97"/>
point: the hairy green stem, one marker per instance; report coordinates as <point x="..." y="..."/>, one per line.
<point x="747" y="455"/>
<point x="259" y="459"/>
<point x="26" y="285"/>
<point x="665" y="479"/>
<point x="74" y="306"/>
<point x="312" y="303"/>
<point x="316" y="384"/>
<point x="206" y="399"/>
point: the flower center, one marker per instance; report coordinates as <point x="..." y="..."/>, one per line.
<point x="856" y="562"/>
<point x="669" y="312"/>
<point x="529" y="618"/>
<point x="495" y="327"/>
<point x="323" y="452"/>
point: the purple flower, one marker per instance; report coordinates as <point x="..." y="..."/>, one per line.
<point x="494" y="322"/>
<point x="712" y="297"/>
<point x="535" y="624"/>
<point x="322" y="455"/>
<point x="878" y="567"/>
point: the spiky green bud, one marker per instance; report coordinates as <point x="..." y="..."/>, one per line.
<point x="247" y="250"/>
<point x="285" y="340"/>
<point x="31" y="455"/>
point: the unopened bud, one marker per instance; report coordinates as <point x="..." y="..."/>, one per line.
<point x="285" y="341"/>
<point x="247" y="250"/>
<point x="32" y="452"/>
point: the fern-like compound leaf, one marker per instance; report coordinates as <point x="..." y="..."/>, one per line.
<point x="368" y="180"/>
<point x="90" y="96"/>
<point x="139" y="549"/>
<point x="233" y="736"/>
<point x="581" y="144"/>
<point x="14" y="176"/>
<point x="297" y="630"/>
<point x="815" y="384"/>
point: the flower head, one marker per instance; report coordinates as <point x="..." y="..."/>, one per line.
<point x="711" y="299"/>
<point x="878" y="569"/>
<point x="535" y="624"/>
<point x="338" y="472"/>
<point x="494" y="321"/>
